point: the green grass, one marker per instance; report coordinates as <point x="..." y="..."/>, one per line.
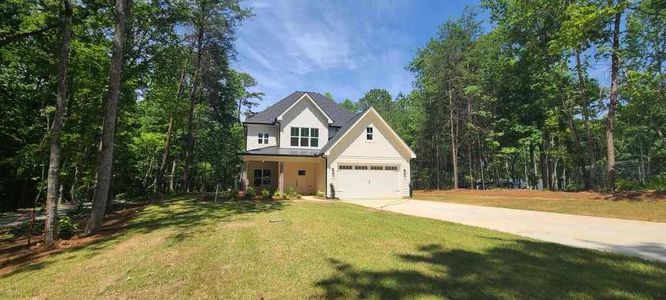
<point x="643" y="210"/>
<point x="284" y="250"/>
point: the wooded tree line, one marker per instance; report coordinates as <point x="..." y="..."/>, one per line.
<point x="108" y="100"/>
<point x="520" y="106"/>
<point x="105" y="101"/>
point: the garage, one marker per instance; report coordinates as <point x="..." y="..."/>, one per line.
<point x="368" y="181"/>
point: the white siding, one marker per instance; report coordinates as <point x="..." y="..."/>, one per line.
<point x="303" y="114"/>
<point x="252" y="138"/>
<point x="354" y="149"/>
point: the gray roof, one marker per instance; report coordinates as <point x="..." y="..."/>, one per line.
<point x="344" y="128"/>
<point x="335" y="111"/>
<point x="274" y="150"/>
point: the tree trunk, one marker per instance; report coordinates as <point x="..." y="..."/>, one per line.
<point x="73" y="197"/>
<point x="172" y="178"/>
<point x="612" y="105"/>
<point x="439" y="186"/>
<point x="189" y="138"/>
<point x="454" y="151"/>
<point x="159" y="178"/>
<point x="588" y="180"/>
<point x="105" y="163"/>
<point x="53" y="186"/>
<point x="545" y="176"/>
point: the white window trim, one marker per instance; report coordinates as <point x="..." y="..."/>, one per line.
<point x="262" y="138"/>
<point x="370" y="134"/>
<point x="309" y="137"/>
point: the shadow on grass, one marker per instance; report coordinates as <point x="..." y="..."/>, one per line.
<point x="184" y="215"/>
<point x="518" y="269"/>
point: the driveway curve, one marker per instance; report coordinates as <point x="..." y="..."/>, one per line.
<point x="636" y="238"/>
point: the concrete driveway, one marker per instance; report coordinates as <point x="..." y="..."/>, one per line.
<point x="636" y="238"/>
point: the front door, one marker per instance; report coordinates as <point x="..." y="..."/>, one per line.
<point x="300" y="177"/>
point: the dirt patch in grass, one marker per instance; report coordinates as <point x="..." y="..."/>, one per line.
<point x="17" y="253"/>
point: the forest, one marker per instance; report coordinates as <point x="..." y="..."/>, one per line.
<point x="111" y="100"/>
<point x="518" y="106"/>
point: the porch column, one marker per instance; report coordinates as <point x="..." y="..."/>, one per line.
<point x="281" y="177"/>
<point x="244" y="180"/>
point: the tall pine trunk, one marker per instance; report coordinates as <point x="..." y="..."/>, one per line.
<point x="454" y="150"/>
<point x="588" y="174"/>
<point x="189" y="138"/>
<point x="53" y="186"/>
<point x="612" y="105"/>
<point x="105" y="163"/>
<point x="159" y="178"/>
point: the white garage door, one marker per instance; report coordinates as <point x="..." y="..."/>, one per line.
<point x="368" y="181"/>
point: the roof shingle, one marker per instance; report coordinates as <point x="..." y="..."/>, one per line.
<point x="335" y="111"/>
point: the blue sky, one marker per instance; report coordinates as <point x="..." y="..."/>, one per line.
<point x="344" y="47"/>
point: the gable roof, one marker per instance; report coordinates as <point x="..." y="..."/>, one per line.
<point x="343" y="129"/>
<point x="352" y="123"/>
<point x="306" y="97"/>
<point x="336" y="112"/>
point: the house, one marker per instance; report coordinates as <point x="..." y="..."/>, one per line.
<point x="310" y="143"/>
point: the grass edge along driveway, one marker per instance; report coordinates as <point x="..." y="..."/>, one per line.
<point x="296" y="249"/>
<point x="582" y="203"/>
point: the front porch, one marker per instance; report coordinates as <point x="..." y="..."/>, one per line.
<point x="305" y="175"/>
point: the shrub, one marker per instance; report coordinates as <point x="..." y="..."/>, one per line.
<point x="250" y="193"/>
<point x="622" y="185"/>
<point x="277" y="195"/>
<point x="320" y="194"/>
<point x="658" y="183"/>
<point x="265" y="194"/>
<point x="292" y="193"/>
<point x="66" y="227"/>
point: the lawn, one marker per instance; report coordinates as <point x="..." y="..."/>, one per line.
<point x="644" y="208"/>
<point x="187" y="248"/>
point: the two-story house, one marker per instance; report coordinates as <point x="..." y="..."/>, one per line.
<point x="310" y="143"/>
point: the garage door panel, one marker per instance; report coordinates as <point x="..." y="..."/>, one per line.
<point x="366" y="182"/>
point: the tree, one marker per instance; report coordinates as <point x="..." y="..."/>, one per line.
<point x="613" y="101"/>
<point x="214" y="23"/>
<point x="380" y="100"/>
<point x="105" y="163"/>
<point x="53" y="186"/>
<point x="350" y="105"/>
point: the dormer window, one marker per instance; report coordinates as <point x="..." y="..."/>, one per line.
<point x="304" y="137"/>
<point x="368" y="133"/>
<point x="263" y="138"/>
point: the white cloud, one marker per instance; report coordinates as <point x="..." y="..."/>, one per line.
<point x="344" y="48"/>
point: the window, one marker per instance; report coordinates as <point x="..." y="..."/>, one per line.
<point x="301" y="172"/>
<point x="391" y="168"/>
<point x="376" y="168"/>
<point x="368" y="133"/>
<point x="345" y="167"/>
<point x="314" y="137"/>
<point x="263" y="138"/>
<point x="262" y="177"/>
<point x="360" y="167"/>
<point x="294" y="136"/>
<point x="304" y="137"/>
